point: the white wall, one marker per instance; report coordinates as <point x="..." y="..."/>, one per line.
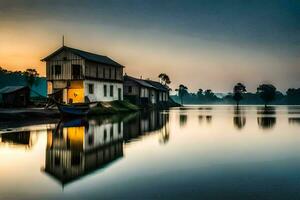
<point x="97" y="132"/>
<point x="99" y="90"/>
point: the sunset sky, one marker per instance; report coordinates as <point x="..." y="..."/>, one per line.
<point x="200" y="43"/>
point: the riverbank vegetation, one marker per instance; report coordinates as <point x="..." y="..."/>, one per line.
<point x="265" y="94"/>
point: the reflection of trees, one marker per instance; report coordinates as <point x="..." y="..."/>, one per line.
<point x="182" y="120"/>
<point x="208" y="118"/>
<point x="200" y="118"/>
<point x="267" y="118"/>
<point x="239" y="119"/>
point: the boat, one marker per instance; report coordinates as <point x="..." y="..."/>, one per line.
<point x="81" y="109"/>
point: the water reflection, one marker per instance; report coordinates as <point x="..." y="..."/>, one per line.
<point x="294" y="120"/>
<point x="182" y="120"/>
<point x="24" y="139"/>
<point x="78" y="147"/>
<point x="266" y="117"/>
<point x="239" y="119"/>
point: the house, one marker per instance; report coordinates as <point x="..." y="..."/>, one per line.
<point x="144" y="92"/>
<point x="138" y="91"/>
<point x="77" y="148"/>
<point x="162" y="91"/>
<point x="77" y="76"/>
<point x="14" y="96"/>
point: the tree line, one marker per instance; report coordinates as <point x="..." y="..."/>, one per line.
<point x="265" y="94"/>
<point x="30" y="74"/>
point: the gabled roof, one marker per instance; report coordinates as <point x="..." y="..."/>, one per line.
<point x="86" y="55"/>
<point x="158" y="85"/>
<point x="139" y="81"/>
<point x="10" y="89"/>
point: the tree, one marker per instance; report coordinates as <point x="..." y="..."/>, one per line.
<point x="200" y="93"/>
<point x="182" y="91"/>
<point x="164" y="79"/>
<point x="30" y="76"/>
<point x="267" y="93"/>
<point x="238" y="91"/>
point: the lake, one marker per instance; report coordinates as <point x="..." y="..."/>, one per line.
<point x="194" y="152"/>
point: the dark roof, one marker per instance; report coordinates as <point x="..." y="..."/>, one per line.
<point x="139" y="81"/>
<point x="10" y="89"/>
<point x="158" y="85"/>
<point x="86" y="55"/>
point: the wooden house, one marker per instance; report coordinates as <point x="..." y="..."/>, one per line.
<point x="145" y="92"/>
<point x="77" y="76"/>
<point x="15" y="96"/>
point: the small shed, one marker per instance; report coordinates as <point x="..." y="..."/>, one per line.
<point x="14" y="96"/>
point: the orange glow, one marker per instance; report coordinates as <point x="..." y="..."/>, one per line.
<point x="76" y="92"/>
<point x="76" y="136"/>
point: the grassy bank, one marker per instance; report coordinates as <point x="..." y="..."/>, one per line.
<point x="113" y="108"/>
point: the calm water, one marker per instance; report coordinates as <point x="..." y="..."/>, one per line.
<point x="207" y="152"/>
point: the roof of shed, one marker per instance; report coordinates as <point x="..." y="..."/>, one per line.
<point x="158" y="85"/>
<point x="139" y="81"/>
<point x="10" y="89"/>
<point x="86" y="55"/>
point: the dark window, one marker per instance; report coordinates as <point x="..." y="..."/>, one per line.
<point x="57" y="70"/>
<point x="119" y="128"/>
<point x="109" y="72"/>
<point x="111" y="132"/>
<point x="91" y="88"/>
<point x="104" y="134"/>
<point x="103" y="72"/>
<point x="129" y="89"/>
<point x="111" y="91"/>
<point x="105" y="90"/>
<point x="76" y="71"/>
<point x="91" y="139"/>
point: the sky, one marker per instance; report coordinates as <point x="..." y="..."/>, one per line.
<point x="208" y="44"/>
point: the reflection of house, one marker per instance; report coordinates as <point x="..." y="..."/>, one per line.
<point x="14" y="96"/>
<point x="76" y="150"/>
<point x="77" y="76"/>
<point x="143" y="92"/>
<point x="143" y="123"/>
<point x="20" y="139"/>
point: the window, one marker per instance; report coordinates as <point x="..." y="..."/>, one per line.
<point x="91" y="139"/>
<point x="129" y="89"/>
<point x="105" y="90"/>
<point x="111" y="132"/>
<point x="104" y="135"/>
<point x="109" y="72"/>
<point x="103" y="72"/>
<point x="119" y="128"/>
<point x="91" y="88"/>
<point x="57" y="70"/>
<point x="111" y="91"/>
<point x="76" y="71"/>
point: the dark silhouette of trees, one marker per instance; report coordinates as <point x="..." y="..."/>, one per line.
<point x="182" y="91"/>
<point x="164" y="78"/>
<point x="200" y="93"/>
<point x="30" y="76"/>
<point x="209" y="95"/>
<point x="267" y="93"/>
<point x="293" y="96"/>
<point x="238" y="91"/>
